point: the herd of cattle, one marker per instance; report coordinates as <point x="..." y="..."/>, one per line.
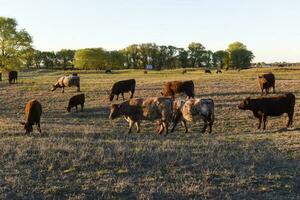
<point x="167" y="109"/>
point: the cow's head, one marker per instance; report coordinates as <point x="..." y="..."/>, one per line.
<point x="111" y="96"/>
<point x="53" y="88"/>
<point x="27" y="127"/>
<point x="245" y="104"/>
<point x="115" y="111"/>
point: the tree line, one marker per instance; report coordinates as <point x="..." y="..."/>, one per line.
<point x="16" y="51"/>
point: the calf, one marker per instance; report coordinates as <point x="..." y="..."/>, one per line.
<point x="207" y="71"/>
<point x="265" y="82"/>
<point x="67" y="81"/>
<point x="33" y="112"/>
<point x="193" y="110"/>
<point x="121" y="87"/>
<point x="137" y="109"/>
<point x="270" y="106"/>
<point x="12" y="77"/>
<point x="174" y="87"/>
<point x="75" y="101"/>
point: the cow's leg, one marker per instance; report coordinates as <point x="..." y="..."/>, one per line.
<point x="118" y="97"/>
<point x="273" y="88"/>
<point x="210" y="126"/>
<point x="123" y="96"/>
<point x="132" y="93"/>
<point x="262" y="92"/>
<point x="39" y="127"/>
<point x="76" y="108"/>
<point x="137" y="124"/>
<point x="259" y="122"/>
<point x="162" y="128"/>
<point x="78" y="88"/>
<point x="131" y="122"/>
<point x="264" y="120"/>
<point x="82" y="105"/>
<point x="204" y="126"/>
<point x="166" y="126"/>
<point x="290" y="121"/>
<point x="63" y="90"/>
<point x="183" y="123"/>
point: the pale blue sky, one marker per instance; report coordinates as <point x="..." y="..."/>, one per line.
<point x="270" y="28"/>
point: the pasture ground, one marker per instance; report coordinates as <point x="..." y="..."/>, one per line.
<point x="85" y="156"/>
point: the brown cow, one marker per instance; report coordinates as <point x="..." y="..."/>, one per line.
<point x="270" y="106"/>
<point x="121" y="87"/>
<point x="207" y="71"/>
<point x="75" y="101"/>
<point x="265" y="82"/>
<point x="137" y="109"/>
<point x="12" y="77"/>
<point x="33" y="112"/>
<point x="174" y="87"/>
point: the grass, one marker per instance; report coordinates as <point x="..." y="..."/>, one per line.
<point x="85" y="156"/>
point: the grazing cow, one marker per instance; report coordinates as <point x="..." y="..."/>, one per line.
<point x="270" y="106"/>
<point x="75" y="101"/>
<point x="33" y="112"/>
<point x="151" y="108"/>
<point x="207" y="71"/>
<point x="121" y="87"/>
<point x="266" y="81"/>
<point x="145" y="72"/>
<point x="174" y="87"/>
<point x="67" y="81"/>
<point x="108" y="71"/>
<point x="12" y="76"/>
<point x="184" y="71"/>
<point x="193" y="110"/>
<point x="219" y="71"/>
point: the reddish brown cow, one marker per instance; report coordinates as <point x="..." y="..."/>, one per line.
<point x="75" y="101"/>
<point x="270" y="106"/>
<point x="174" y="87"/>
<point x="33" y="112"/>
<point x="266" y="81"/>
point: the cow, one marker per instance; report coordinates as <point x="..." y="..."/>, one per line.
<point x="121" y="87"/>
<point x="75" y="101"/>
<point x="174" y="87"/>
<point x="184" y="71"/>
<point x="0" y="76"/>
<point x="207" y="71"/>
<point x="265" y="82"/>
<point x="12" y="77"/>
<point x="108" y="71"/>
<point x="193" y="110"/>
<point x="151" y="108"/>
<point x="219" y="71"/>
<point x="270" y="106"/>
<point x="67" y="81"/>
<point x="33" y="112"/>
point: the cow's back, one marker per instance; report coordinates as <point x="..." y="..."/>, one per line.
<point x="33" y="111"/>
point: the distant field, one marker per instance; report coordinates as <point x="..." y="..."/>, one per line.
<point x="84" y="155"/>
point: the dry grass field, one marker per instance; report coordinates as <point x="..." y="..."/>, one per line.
<point x="86" y="156"/>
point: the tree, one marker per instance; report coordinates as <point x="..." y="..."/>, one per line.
<point x="239" y="55"/>
<point x="37" y="58"/>
<point x="65" y="57"/>
<point x="28" y="57"/>
<point x="241" y="58"/>
<point x="220" y="58"/>
<point x="116" y="59"/>
<point x="207" y="58"/>
<point x="49" y="59"/>
<point x="183" y="57"/>
<point x="132" y="55"/>
<point x="13" y="43"/>
<point x="92" y="58"/>
<point x="196" y="51"/>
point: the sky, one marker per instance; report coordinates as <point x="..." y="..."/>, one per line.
<point x="269" y="28"/>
